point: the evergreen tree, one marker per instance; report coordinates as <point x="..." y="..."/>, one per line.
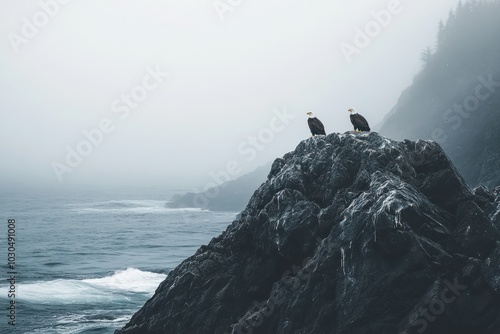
<point x="426" y="56"/>
<point x="441" y="34"/>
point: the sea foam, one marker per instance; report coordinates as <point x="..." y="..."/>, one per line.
<point x="113" y="288"/>
<point x="127" y="206"/>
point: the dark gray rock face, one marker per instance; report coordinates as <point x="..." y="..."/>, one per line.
<point x="351" y="233"/>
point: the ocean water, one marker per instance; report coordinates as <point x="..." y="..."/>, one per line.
<point x="87" y="259"/>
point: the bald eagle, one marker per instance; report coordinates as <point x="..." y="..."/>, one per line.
<point x="315" y="125"/>
<point x="360" y="123"/>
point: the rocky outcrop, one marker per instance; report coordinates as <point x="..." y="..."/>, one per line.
<point x="351" y="233"/>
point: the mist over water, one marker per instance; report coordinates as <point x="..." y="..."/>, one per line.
<point x="88" y="259"/>
<point x="167" y="92"/>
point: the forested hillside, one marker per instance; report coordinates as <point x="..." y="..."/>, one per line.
<point x="455" y="99"/>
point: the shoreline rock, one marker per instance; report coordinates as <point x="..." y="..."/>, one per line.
<point x="351" y="233"/>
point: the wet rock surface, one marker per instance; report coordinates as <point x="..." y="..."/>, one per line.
<point x="351" y="233"/>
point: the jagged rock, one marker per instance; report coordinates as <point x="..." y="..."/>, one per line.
<point x="351" y="233"/>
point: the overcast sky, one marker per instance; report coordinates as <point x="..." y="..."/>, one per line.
<point x="172" y="92"/>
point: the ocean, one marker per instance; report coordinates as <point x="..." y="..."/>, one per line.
<point x="84" y="261"/>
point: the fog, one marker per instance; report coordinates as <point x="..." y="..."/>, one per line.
<point x="173" y="93"/>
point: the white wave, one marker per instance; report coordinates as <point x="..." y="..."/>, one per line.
<point x="127" y="206"/>
<point x="85" y="322"/>
<point x="133" y="280"/>
<point x="112" y="288"/>
<point x="94" y="316"/>
<point x="136" y="210"/>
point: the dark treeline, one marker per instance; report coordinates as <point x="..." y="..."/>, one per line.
<point x="467" y="44"/>
<point x="455" y="99"/>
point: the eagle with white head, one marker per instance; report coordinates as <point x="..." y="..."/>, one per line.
<point x="360" y="123"/>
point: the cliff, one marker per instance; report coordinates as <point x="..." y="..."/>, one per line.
<point x="455" y="99"/>
<point x="351" y="233"/>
